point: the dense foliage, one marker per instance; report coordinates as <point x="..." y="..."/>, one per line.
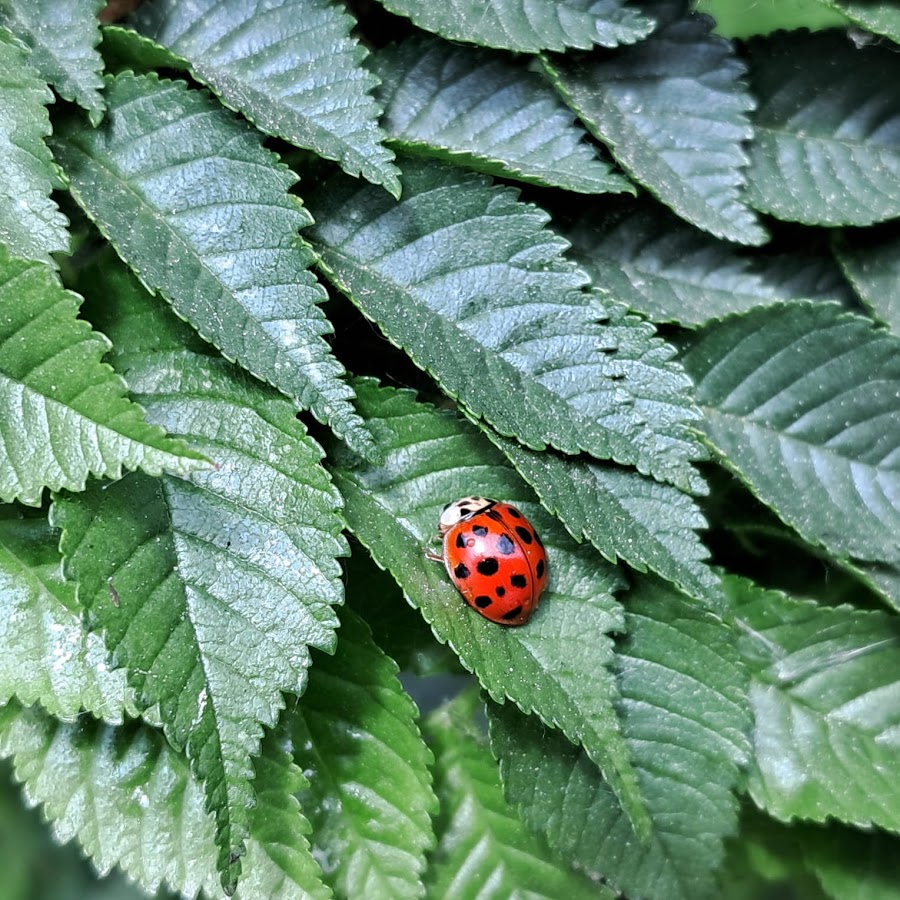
<point x="279" y="280"/>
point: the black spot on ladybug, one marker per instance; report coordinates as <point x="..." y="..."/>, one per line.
<point x="505" y="545"/>
<point x="514" y="512"/>
<point x="537" y="537"/>
<point x="539" y="568"/>
<point x="495" y="515"/>
<point x="480" y="530"/>
<point x="462" y="571"/>
<point x="483" y="601"/>
<point x="447" y="506"/>
<point x="524" y="533"/>
<point x="464" y="511"/>
<point x="460" y="540"/>
<point x="514" y="613"/>
<point x="500" y="591"/>
<point x="518" y="581"/>
<point x="488" y="566"/>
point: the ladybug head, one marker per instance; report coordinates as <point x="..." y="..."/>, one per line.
<point x="461" y="509"/>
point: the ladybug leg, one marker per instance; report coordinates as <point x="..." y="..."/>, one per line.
<point x="430" y="554"/>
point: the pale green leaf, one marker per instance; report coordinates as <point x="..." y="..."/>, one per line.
<point x="31" y="225"/>
<point x="662" y="267"/>
<point x="801" y="404"/>
<point x="224" y="581"/>
<point x="290" y="66"/>
<point x="196" y="205"/>
<point x="872" y="263"/>
<point x="488" y="112"/>
<point x="684" y="716"/>
<point x="62" y="36"/>
<point x="63" y="413"/>
<point x="745" y="18"/>
<point x="673" y="111"/>
<point x="555" y="665"/>
<point x="485" y="850"/>
<point x="825" y="685"/>
<point x="471" y="284"/>
<point x="826" y="149"/>
<point x="130" y="801"/>
<point x="46" y="655"/>
<point x="368" y="796"/>
<point x="528" y="25"/>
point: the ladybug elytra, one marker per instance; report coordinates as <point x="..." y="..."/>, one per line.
<point x="494" y="557"/>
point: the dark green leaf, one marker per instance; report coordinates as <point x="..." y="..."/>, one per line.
<point x="290" y="66"/>
<point x="827" y="144"/>
<point x="62" y="36"/>
<point x="873" y="266"/>
<point x="224" y="581"/>
<point x="473" y="286"/>
<point x="488" y="112"/>
<point x="801" y="402"/>
<point x="130" y="801"/>
<point x="555" y="665"/>
<point x="484" y="847"/>
<point x="46" y="655"/>
<point x="684" y="716"/>
<point x="369" y="795"/>
<point x="528" y="25"/>
<point x="63" y="413"/>
<point x="192" y="201"/>
<point x="673" y="111"/>
<point x="853" y="865"/>
<point x="31" y="225"/>
<point x="824" y="688"/>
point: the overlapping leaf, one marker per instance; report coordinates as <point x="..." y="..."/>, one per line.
<point x="872" y="264"/>
<point x="473" y="286"/>
<point x="488" y="112"/>
<point x="63" y="413"/>
<point x="553" y="666"/>
<point x="62" y="36"/>
<point x="46" y="655"/>
<point x="192" y="201"/>
<point x="131" y="801"/>
<point x="369" y="795"/>
<point x="684" y="716"/>
<point x="623" y="514"/>
<point x="824" y="688"/>
<point x="853" y="865"/>
<point x="224" y="581"/>
<point x="877" y="16"/>
<point x="673" y="111"/>
<point x="483" y="845"/>
<point x="801" y="402"/>
<point x="31" y="225"/>
<point x="826" y="149"/>
<point x="528" y="26"/>
<point x="290" y="66"/>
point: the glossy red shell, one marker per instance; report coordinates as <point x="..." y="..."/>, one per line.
<point x="497" y="562"/>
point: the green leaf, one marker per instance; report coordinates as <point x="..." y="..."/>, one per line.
<point x="684" y="716"/>
<point x="46" y="655"/>
<point x="224" y="581"/>
<point x="192" y="201"/>
<point x="824" y="688"/>
<point x="528" y="26"/>
<point x="872" y="263"/>
<point x="873" y="15"/>
<point x="473" y="286"/>
<point x="852" y="865"/>
<point x="130" y="801"/>
<point x="291" y="67"/>
<point x="801" y="403"/>
<point x="123" y="49"/>
<point x="369" y="795"/>
<point x="673" y="111"/>
<point x="63" y="413"/>
<point x="825" y="150"/>
<point x="555" y="665"/>
<point x="671" y="272"/>
<point x="485" y="849"/>
<point x="623" y="514"/>
<point x="31" y="225"/>
<point x="62" y="36"/>
<point x="487" y="112"/>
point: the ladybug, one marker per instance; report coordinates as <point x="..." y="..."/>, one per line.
<point x="494" y="557"/>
